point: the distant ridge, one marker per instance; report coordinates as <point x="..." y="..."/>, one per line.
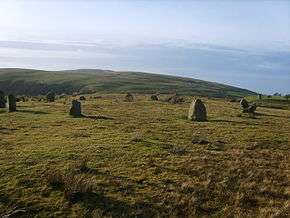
<point x="38" y="82"/>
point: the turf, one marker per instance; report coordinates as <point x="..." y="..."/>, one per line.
<point x="142" y="162"/>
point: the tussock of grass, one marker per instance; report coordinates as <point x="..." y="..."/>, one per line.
<point x="77" y="189"/>
<point x="55" y="179"/>
<point x="81" y="166"/>
<point x="74" y="188"/>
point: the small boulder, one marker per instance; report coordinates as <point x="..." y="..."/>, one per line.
<point x="197" y="111"/>
<point x="50" y="97"/>
<point x="63" y="95"/>
<point x="76" y="109"/>
<point x="244" y="103"/>
<point x="199" y="140"/>
<point x="154" y="98"/>
<point x="250" y="109"/>
<point x="23" y="99"/>
<point x="247" y="108"/>
<point x="12" y="103"/>
<point x="75" y="94"/>
<point x="82" y="98"/>
<point x="175" y="99"/>
<point x="129" y="97"/>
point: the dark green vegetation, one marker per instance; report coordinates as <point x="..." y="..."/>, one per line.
<point x="147" y="161"/>
<point x="36" y="82"/>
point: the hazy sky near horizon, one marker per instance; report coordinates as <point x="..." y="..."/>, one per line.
<point x="243" y="43"/>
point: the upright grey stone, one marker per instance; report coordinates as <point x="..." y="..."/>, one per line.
<point x="129" y="97"/>
<point x="76" y="109"/>
<point x="154" y="98"/>
<point x="12" y="103"/>
<point x="2" y="100"/>
<point x="197" y="111"/>
<point x="244" y="103"/>
<point x="50" y="97"/>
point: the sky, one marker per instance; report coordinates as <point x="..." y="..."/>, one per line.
<point x="237" y="42"/>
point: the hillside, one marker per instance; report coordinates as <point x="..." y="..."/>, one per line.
<point x="38" y="82"/>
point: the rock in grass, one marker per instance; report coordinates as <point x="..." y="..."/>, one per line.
<point x="154" y="98"/>
<point x="129" y="97"/>
<point x="247" y="108"/>
<point x="2" y="100"/>
<point x="82" y="98"/>
<point x="197" y="111"/>
<point x="63" y="95"/>
<point x="50" y="97"/>
<point x="175" y="99"/>
<point x="12" y="103"/>
<point x="76" y="109"/>
<point x="250" y="109"/>
<point x="199" y="140"/>
<point x="244" y="103"/>
<point x="23" y="99"/>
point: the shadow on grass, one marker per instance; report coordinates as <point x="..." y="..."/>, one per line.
<point x="94" y="117"/>
<point x="93" y="171"/>
<point x="271" y="115"/>
<point x="107" y="204"/>
<point x="113" y="207"/>
<point x="232" y="121"/>
<point x="32" y="112"/>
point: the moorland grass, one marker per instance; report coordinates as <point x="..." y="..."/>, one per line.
<point x="146" y="161"/>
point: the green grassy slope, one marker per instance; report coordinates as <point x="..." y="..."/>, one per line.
<point x="35" y="82"/>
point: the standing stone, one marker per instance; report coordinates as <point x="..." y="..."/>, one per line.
<point x="50" y="97"/>
<point x="197" y="111"/>
<point x="2" y="100"/>
<point x="129" y="97"/>
<point x="76" y="109"/>
<point x="154" y="98"/>
<point x="244" y="103"/>
<point x="12" y="103"/>
<point x="260" y="96"/>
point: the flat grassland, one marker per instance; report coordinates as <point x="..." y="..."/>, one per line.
<point x="147" y="161"/>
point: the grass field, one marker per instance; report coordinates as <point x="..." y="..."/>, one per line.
<point x="148" y="160"/>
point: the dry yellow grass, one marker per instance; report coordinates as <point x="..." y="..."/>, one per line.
<point x="143" y="162"/>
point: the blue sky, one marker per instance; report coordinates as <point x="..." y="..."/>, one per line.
<point x="242" y="43"/>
